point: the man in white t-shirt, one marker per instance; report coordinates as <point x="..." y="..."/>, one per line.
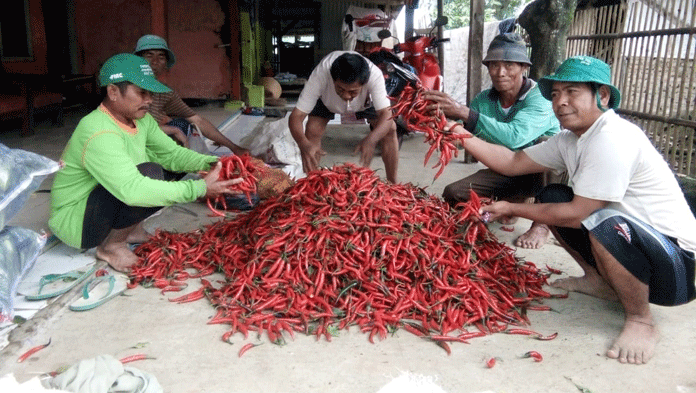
<point x="344" y="82"/>
<point x="623" y="217"/>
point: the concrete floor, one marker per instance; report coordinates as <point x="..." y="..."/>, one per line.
<point x="190" y="357"/>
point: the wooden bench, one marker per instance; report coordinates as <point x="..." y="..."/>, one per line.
<point x="22" y="96"/>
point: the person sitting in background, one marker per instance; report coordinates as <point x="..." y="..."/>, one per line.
<point x="623" y="218"/>
<point x="170" y="111"/>
<point x="512" y="114"/>
<point x="116" y="168"/>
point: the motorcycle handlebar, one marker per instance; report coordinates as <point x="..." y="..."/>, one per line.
<point x="433" y="43"/>
<point x="438" y="42"/>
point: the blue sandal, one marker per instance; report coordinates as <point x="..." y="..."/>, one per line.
<point x="99" y="290"/>
<point x="52" y="285"/>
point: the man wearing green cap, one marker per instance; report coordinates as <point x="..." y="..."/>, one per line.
<point x="116" y="164"/>
<point x="623" y="218"/>
<point x="170" y="111"/>
<point x="513" y="114"/>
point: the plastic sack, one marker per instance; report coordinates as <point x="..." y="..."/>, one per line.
<point x="19" y="248"/>
<point x="195" y="140"/>
<point x="21" y="173"/>
<point x="274" y="144"/>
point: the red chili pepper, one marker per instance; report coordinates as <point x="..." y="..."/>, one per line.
<point x="535" y="355"/>
<point x="547" y="338"/>
<point x="33" y="351"/>
<point x="134" y="358"/>
<point x="246" y="347"/>
<point x="490" y="363"/>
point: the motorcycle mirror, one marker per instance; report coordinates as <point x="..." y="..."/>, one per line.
<point x="441" y="20"/>
<point x="383" y="34"/>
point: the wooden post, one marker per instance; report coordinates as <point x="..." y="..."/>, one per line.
<point x="473" y="83"/>
<point x="158" y="18"/>
<point x="475" y="50"/>
<point x="235" y="51"/>
<point x="440" y="51"/>
<point x="408" y="30"/>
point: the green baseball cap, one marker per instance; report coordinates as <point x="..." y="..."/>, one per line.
<point x="151" y="41"/>
<point x="127" y="67"/>
<point x="585" y="69"/>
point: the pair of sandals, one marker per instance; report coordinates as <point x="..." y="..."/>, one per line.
<point x="97" y="290"/>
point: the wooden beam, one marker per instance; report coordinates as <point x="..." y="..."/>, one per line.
<point x="408" y="30"/>
<point x="158" y="18"/>
<point x="475" y="49"/>
<point x="440" y="50"/>
<point x="235" y="51"/>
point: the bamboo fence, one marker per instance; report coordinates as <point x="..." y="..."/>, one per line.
<point x="651" y="47"/>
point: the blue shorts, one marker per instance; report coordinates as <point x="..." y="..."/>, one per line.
<point x="653" y="258"/>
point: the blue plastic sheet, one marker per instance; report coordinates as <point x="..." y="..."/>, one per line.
<point x="19" y="248"/>
<point x="21" y="173"/>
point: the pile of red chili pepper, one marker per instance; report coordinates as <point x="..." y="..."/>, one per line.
<point x="412" y="107"/>
<point x="342" y="248"/>
<point x="235" y="166"/>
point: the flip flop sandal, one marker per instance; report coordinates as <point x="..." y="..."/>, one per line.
<point x="100" y="290"/>
<point x="52" y="285"/>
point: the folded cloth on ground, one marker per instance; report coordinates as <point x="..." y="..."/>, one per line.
<point x="104" y="374"/>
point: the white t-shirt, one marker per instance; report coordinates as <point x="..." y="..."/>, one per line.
<point x="320" y="85"/>
<point x="614" y="161"/>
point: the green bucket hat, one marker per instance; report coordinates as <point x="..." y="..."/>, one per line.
<point x="126" y="67"/>
<point x="507" y="47"/>
<point x="151" y="41"/>
<point x="582" y="69"/>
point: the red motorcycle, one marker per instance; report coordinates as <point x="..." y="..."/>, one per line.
<point x="418" y="51"/>
<point x="420" y="67"/>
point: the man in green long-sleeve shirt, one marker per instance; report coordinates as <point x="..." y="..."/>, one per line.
<point x="513" y="114"/>
<point x="116" y="168"/>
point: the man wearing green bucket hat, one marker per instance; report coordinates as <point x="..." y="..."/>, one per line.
<point x="114" y="165"/>
<point x="513" y="114"/>
<point x="173" y="115"/>
<point x="623" y="218"/>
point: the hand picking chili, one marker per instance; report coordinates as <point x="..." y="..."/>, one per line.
<point x="235" y="166"/>
<point x="412" y="107"/>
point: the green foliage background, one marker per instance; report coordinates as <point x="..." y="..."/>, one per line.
<point x="458" y="11"/>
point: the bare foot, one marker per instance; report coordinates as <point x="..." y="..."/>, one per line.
<point x="636" y="343"/>
<point x="535" y="237"/>
<point x="118" y="256"/>
<point x="138" y="235"/>
<point x="593" y="285"/>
